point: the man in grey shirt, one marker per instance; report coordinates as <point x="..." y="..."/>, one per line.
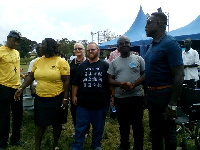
<point x="126" y="74"/>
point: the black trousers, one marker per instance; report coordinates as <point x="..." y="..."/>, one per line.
<point x="8" y="103"/>
<point x="161" y="129"/>
<point x="130" y="112"/>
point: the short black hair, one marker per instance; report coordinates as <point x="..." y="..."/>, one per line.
<point x="52" y="47"/>
<point x="161" y="16"/>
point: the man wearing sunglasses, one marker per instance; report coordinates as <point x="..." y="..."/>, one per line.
<point x="9" y="83"/>
<point x="164" y="78"/>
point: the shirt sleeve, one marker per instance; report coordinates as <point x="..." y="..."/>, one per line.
<point x="64" y="67"/>
<point x="174" y="53"/>
<point x="197" y="58"/>
<point x="111" y="69"/>
<point x="142" y="64"/>
<point x="30" y="66"/>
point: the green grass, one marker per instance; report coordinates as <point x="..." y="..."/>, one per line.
<point x="110" y="141"/>
<point x="25" y="68"/>
<point x="111" y="136"/>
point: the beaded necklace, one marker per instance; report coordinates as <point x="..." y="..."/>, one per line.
<point x="79" y="61"/>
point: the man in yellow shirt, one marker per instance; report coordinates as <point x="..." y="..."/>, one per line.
<point x="9" y="83"/>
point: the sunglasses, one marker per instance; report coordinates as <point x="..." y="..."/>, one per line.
<point x="78" y="49"/>
<point x="149" y="21"/>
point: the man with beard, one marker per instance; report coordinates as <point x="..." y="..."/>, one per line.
<point x="126" y="74"/>
<point x="164" y="78"/>
<point x="91" y="94"/>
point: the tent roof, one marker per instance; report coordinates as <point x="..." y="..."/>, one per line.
<point x="191" y="31"/>
<point x="191" y="28"/>
<point x="135" y="33"/>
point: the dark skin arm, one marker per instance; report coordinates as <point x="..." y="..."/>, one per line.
<point x="126" y="86"/>
<point x="178" y="74"/>
<point x="66" y="85"/>
<point x="28" y="80"/>
<point x="31" y="87"/>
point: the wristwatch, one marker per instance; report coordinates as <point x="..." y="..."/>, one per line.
<point x="172" y="107"/>
<point x="65" y="99"/>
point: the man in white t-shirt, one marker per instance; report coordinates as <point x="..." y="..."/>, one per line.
<point x="191" y="61"/>
<point x="33" y="85"/>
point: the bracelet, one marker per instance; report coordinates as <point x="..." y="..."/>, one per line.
<point x="172" y="107"/>
<point x="65" y="99"/>
<point x="20" y="89"/>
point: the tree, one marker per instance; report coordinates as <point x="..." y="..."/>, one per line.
<point x="25" y="47"/>
<point x="66" y="47"/>
<point x="110" y="35"/>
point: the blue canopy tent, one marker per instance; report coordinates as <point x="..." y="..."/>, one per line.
<point x="192" y="31"/>
<point x="136" y="33"/>
<point x="138" y="38"/>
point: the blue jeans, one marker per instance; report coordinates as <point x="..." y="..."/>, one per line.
<point x="83" y="119"/>
<point x="157" y="101"/>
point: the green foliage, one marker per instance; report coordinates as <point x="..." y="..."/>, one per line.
<point x="66" y="47"/>
<point x="25" y="47"/>
<point x="25" y="60"/>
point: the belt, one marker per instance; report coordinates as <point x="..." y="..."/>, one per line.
<point x="158" y="87"/>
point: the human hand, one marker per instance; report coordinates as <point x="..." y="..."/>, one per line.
<point x="74" y="100"/>
<point x="126" y="86"/>
<point x="170" y="114"/>
<point x="17" y="94"/>
<point x="64" y="104"/>
<point x="112" y="99"/>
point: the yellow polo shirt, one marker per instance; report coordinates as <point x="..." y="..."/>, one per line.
<point x="9" y="67"/>
<point x="47" y="72"/>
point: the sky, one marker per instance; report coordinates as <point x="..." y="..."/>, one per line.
<point x="76" y="19"/>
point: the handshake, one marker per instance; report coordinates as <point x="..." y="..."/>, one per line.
<point x="127" y="86"/>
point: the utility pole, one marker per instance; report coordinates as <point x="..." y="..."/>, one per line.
<point x="92" y="33"/>
<point x="167" y="13"/>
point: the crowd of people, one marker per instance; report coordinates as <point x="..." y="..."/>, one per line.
<point x="89" y="83"/>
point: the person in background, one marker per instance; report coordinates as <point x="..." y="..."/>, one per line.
<point x="91" y="94"/>
<point x="9" y="83"/>
<point x="39" y="54"/>
<point x="126" y="74"/>
<point x="107" y="57"/>
<point x="164" y="79"/>
<point x="52" y="91"/>
<point x="72" y="57"/>
<point x="113" y="55"/>
<point x="190" y="61"/>
<point x="79" y="51"/>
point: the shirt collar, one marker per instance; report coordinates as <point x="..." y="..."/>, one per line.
<point x="160" y="39"/>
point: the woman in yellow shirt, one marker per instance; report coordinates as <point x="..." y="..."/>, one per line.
<point x="51" y="102"/>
